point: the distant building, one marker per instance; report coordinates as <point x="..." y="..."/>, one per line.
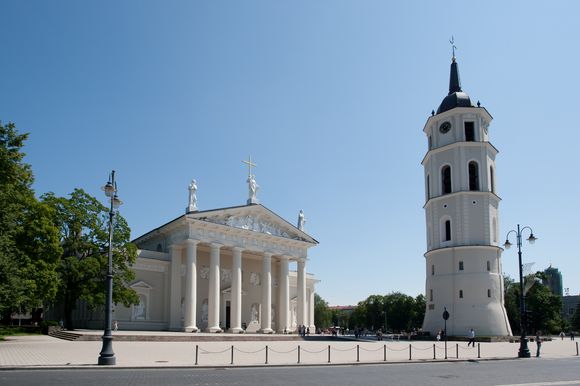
<point x="569" y="306"/>
<point x="553" y="280"/>
<point x="343" y="314"/>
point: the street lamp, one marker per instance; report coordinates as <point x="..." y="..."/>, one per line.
<point x="445" y="317"/>
<point x="524" y="352"/>
<point x="107" y="356"/>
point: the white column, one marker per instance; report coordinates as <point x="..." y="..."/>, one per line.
<point x="284" y="295"/>
<point x="190" y="319"/>
<point x="311" y="312"/>
<point x="236" y="309"/>
<point x="301" y="288"/>
<point x="266" y="325"/>
<point x="175" y="298"/>
<point x="213" y="302"/>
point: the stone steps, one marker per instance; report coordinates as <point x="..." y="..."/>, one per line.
<point x="61" y="334"/>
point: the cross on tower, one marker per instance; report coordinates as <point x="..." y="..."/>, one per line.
<point x="250" y="165"/>
<point x="453" y="46"/>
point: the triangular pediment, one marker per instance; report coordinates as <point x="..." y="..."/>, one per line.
<point x="256" y="218"/>
<point x="141" y="285"/>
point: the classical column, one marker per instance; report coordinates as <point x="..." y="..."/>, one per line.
<point x="284" y="289"/>
<point x="213" y="302"/>
<point x="311" y="312"/>
<point x="301" y="288"/>
<point x="175" y="298"/>
<point x="266" y="325"/>
<point x="236" y="310"/>
<point x="190" y="317"/>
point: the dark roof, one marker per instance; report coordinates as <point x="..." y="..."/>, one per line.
<point x="456" y="96"/>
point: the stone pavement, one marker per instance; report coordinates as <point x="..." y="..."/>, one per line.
<point x="40" y="351"/>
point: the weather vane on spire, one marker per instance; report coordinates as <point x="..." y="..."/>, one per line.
<point x="453" y="46"/>
<point x="252" y="185"/>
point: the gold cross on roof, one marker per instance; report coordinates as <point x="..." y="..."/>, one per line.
<point x="250" y="165"/>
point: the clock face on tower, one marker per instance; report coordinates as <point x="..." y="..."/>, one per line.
<point x="445" y="127"/>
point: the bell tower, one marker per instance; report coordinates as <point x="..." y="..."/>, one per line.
<point x="463" y="258"/>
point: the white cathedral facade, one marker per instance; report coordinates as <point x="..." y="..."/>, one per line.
<point x="463" y="258"/>
<point x="223" y="270"/>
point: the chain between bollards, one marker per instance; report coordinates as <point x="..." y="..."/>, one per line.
<point x="196" y="353"/>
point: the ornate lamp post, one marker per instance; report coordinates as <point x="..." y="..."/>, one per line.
<point x="107" y="356"/>
<point x="524" y="352"/>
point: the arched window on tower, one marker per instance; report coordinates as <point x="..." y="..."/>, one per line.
<point x="491" y="179"/>
<point x="446" y="179"/>
<point x="428" y="188"/>
<point x="448" y="230"/>
<point x="473" y="176"/>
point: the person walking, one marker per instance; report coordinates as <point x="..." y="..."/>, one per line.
<point x="471" y="336"/>
<point x="538" y="343"/>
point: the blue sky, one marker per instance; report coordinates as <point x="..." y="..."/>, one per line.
<point x="329" y="98"/>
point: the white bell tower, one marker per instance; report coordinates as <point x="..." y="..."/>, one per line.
<point x="463" y="258"/>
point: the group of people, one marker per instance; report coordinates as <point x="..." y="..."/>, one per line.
<point x="303" y="330"/>
<point x="563" y="334"/>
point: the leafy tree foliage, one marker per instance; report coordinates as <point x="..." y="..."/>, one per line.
<point x="83" y="224"/>
<point x="29" y="247"/>
<point x="322" y="314"/>
<point x="392" y="312"/>
<point x="542" y="306"/>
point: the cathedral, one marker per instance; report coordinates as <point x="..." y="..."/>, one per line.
<point x="463" y="258"/>
<point x="220" y="270"/>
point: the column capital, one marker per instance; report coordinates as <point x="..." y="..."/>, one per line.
<point x="240" y="249"/>
<point x="216" y="245"/>
<point x="268" y="254"/>
<point x="192" y="242"/>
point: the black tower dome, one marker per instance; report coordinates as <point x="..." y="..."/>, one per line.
<point x="456" y="97"/>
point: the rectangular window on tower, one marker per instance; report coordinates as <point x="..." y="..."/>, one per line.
<point x="430" y="295"/>
<point x="461" y="265"/>
<point x="433" y="269"/>
<point x="469" y="131"/>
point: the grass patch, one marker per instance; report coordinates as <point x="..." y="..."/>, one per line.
<point x="18" y="330"/>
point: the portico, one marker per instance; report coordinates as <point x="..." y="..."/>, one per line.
<point x="230" y="271"/>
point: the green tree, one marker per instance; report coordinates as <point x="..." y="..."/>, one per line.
<point x="542" y="307"/>
<point x="29" y="247"/>
<point x="322" y="314"/>
<point x="419" y="311"/>
<point x="84" y="236"/>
